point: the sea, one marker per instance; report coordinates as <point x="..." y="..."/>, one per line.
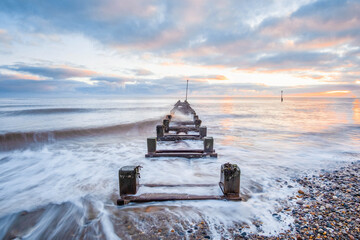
<point x="60" y="157"/>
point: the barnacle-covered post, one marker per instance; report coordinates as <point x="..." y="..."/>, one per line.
<point x="151" y="145"/>
<point x="159" y="131"/>
<point x="197" y="123"/>
<point x="129" y="179"/>
<point x="202" y="132"/>
<point x="208" y="144"/>
<point x="230" y="179"/>
<point x="166" y="123"/>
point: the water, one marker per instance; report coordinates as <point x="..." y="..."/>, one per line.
<point x="59" y="160"/>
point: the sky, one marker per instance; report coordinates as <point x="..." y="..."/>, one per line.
<point x="151" y="47"/>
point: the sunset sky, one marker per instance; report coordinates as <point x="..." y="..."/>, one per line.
<point x="148" y="47"/>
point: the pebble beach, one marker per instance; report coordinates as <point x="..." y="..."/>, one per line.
<point x="326" y="207"/>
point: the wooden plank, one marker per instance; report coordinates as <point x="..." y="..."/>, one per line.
<point x="181" y="123"/>
<point x="183" y="129"/>
<point x="179" y="154"/>
<point x="179" y="185"/>
<point x="178" y="137"/>
<point x="160" y="197"/>
<point x="180" y="151"/>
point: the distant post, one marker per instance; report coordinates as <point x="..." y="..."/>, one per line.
<point x="282" y="99"/>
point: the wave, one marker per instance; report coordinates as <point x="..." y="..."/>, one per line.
<point x="47" y="111"/>
<point x="14" y="140"/>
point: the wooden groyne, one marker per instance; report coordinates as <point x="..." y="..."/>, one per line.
<point x="176" y="131"/>
<point x="180" y="130"/>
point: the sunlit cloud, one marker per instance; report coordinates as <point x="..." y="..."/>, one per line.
<point x="112" y="47"/>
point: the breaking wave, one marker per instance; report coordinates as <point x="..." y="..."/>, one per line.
<point x="14" y="140"/>
<point x="47" y="111"/>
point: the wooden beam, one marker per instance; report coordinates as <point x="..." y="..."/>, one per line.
<point x="178" y="185"/>
<point x="184" y="154"/>
<point x="183" y="129"/>
<point x="151" y="197"/>
<point x="177" y="137"/>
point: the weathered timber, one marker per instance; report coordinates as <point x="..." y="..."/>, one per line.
<point x="183" y="129"/>
<point x="197" y="123"/>
<point x="159" y="132"/>
<point x="202" y="132"/>
<point x="178" y="137"/>
<point x="178" y="185"/>
<point x="166" y="123"/>
<point x="183" y="123"/>
<point x="208" y="144"/>
<point x="170" y="197"/>
<point x="229" y="184"/>
<point x="194" y="153"/>
<point x="151" y="145"/>
<point x="129" y="179"/>
<point x="230" y="179"/>
<point x="183" y="107"/>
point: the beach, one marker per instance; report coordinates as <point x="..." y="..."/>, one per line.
<point x="59" y="164"/>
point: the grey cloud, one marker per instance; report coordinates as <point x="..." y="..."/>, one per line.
<point x="50" y="72"/>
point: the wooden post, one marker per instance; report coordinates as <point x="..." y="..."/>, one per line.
<point x="159" y="131"/>
<point x="230" y="179"/>
<point x="129" y="179"/>
<point x="202" y="132"/>
<point x="208" y="144"/>
<point x="166" y="123"/>
<point x="197" y="123"/>
<point x="151" y="145"/>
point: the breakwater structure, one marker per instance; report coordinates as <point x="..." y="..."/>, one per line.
<point x="175" y="130"/>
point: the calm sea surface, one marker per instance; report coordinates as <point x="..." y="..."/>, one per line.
<point x="59" y="160"/>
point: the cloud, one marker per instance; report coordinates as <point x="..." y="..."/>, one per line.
<point x="53" y="72"/>
<point x="314" y="39"/>
<point x="142" y="72"/>
<point x="208" y="78"/>
<point x="4" y="37"/>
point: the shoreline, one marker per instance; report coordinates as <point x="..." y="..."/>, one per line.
<point x="326" y="207"/>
